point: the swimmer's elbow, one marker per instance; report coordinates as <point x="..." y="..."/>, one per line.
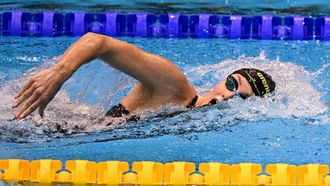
<point x="106" y="45"/>
<point x="94" y="37"/>
<point x="94" y="42"/>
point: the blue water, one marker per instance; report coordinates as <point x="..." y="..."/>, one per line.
<point x="292" y="127"/>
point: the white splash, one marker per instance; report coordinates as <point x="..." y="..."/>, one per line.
<point x="294" y="94"/>
<point x="295" y="97"/>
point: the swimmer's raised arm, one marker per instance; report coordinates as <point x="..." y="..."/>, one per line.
<point x="154" y="72"/>
<point x="125" y="57"/>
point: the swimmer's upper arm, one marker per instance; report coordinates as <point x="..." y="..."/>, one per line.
<point x="152" y="70"/>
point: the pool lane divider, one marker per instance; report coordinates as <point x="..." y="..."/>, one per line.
<point x="268" y="27"/>
<point x="83" y="172"/>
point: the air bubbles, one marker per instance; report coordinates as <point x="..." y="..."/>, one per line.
<point x="295" y="95"/>
<point x="295" y="98"/>
<point x="262" y="55"/>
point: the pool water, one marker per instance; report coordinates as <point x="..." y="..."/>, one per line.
<point x="292" y="126"/>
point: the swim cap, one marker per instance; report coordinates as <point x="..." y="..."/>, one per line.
<point x="261" y="83"/>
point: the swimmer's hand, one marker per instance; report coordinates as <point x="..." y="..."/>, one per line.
<point x="142" y="66"/>
<point x="39" y="91"/>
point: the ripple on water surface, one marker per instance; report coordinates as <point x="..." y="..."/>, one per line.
<point x="291" y="126"/>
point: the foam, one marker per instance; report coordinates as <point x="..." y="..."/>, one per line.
<point x="72" y="113"/>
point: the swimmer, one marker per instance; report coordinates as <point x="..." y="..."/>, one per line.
<point x="160" y="82"/>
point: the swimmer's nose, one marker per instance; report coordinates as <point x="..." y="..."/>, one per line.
<point x="226" y="96"/>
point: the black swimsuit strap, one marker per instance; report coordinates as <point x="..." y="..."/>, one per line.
<point x="120" y="111"/>
<point x="117" y="111"/>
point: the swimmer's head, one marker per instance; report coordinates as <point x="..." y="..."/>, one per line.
<point x="260" y="82"/>
<point x="245" y="82"/>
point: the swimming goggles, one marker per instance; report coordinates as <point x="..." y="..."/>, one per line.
<point x="232" y="85"/>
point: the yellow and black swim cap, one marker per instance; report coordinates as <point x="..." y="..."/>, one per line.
<point x="261" y="83"/>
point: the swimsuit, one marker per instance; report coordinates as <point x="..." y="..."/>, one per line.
<point x="120" y="111"/>
<point x="117" y="111"/>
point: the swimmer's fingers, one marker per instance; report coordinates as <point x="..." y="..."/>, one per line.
<point x="30" y="102"/>
<point x="25" y="87"/>
<point x="24" y="96"/>
<point x="42" y="109"/>
<point x="29" y="110"/>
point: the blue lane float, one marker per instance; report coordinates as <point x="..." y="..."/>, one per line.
<point x="265" y="27"/>
<point x="139" y="25"/>
<point x="15" y="23"/>
<point x="20" y="24"/>
<point x="175" y="25"/>
<point x="51" y="24"/>
<point x="322" y="28"/>
<point x="201" y="26"/>
<point x="238" y="27"/>
<point x="113" y="24"/>
<point x="300" y="28"/>
<point x="79" y="23"/>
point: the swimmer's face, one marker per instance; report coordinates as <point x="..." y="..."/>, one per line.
<point x="221" y="93"/>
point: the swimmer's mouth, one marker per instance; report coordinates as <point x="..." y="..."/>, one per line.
<point x="213" y="102"/>
<point x="210" y="103"/>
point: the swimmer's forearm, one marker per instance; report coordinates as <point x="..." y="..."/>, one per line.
<point x="118" y="54"/>
<point x="43" y="86"/>
<point x="86" y="49"/>
<point x="125" y="57"/>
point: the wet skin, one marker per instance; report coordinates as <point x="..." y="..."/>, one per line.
<point x="221" y="93"/>
<point x="160" y="81"/>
